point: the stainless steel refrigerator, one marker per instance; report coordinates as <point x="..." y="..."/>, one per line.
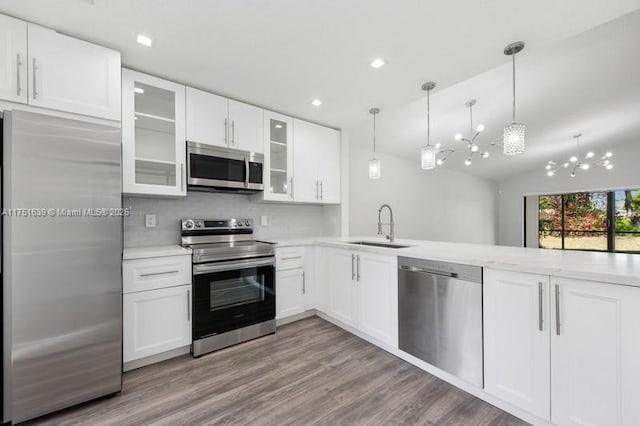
<point x="61" y="266"/>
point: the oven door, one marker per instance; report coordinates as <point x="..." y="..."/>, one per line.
<point x="209" y="166"/>
<point x="234" y="294"/>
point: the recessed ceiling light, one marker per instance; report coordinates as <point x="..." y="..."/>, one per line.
<point x="144" y="40"/>
<point x="316" y="102"/>
<point x="138" y="90"/>
<point x="377" y="63"/>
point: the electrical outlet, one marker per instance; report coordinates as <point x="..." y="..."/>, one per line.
<point x="150" y="220"/>
<point x="264" y="220"/>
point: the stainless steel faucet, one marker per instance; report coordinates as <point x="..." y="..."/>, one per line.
<point x="391" y="235"/>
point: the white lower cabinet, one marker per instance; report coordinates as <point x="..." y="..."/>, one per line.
<point x="595" y="353"/>
<point x="363" y="292"/>
<point x="156" y="306"/>
<point x="340" y="279"/>
<point x="516" y="339"/>
<point x="156" y="321"/>
<point x="378" y="297"/>
<point x="565" y="350"/>
<point x="290" y="293"/>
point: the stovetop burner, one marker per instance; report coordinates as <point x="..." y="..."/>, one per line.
<point x="213" y="240"/>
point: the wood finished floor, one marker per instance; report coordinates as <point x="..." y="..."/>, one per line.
<point x="309" y="372"/>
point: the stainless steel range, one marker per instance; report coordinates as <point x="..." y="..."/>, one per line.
<point x="234" y="296"/>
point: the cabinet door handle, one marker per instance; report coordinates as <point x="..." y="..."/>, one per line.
<point x="291" y="186"/>
<point x="304" y="283"/>
<point x="35" y="69"/>
<point x="151" y="274"/>
<point x="188" y="305"/>
<point x="182" y="176"/>
<point x="18" y="66"/>
<point x="226" y="131"/>
<point x="317" y="190"/>
<point x="557" y="309"/>
<point x="321" y="190"/>
<point x="540" y="306"/>
<point x="233" y="132"/>
<point x="358" y="268"/>
<point x="353" y="268"/>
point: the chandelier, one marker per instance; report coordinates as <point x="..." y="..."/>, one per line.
<point x="577" y="162"/>
<point x="473" y="149"/>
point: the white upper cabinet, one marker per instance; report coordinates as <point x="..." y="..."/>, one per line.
<point x="595" y="348"/>
<point x="216" y="120"/>
<point x="153" y="136"/>
<point x="316" y="170"/>
<point x="278" y="157"/>
<point x="516" y="339"/>
<point x="13" y="59"/>
<point x="247" y="126"/>
<point x="72" y="75"/>
<point x="207" y="118"/>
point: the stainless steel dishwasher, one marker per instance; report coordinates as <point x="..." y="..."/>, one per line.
<point x="440" y="315"/>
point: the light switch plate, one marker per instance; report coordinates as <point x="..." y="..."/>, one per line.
<point x="150" y="220"/>
<point x="264" y="220"/>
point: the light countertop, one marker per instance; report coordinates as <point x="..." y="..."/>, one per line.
<point x="614" y="268"/>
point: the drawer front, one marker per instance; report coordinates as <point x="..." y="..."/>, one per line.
<point x="155" y="272"/>
<point x="289" y="258"/>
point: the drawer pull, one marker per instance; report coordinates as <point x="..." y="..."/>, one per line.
<point x="291" y="258"/>
<point x="149" y="274"/>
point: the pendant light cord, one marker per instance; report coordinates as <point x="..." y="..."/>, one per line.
<point x="514" y="86"/>
<point x="471" y="122"/>
<point x="428" y="117"/>
<point x="374" y="136"/>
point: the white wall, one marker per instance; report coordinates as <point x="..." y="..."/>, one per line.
<point x="625" y="174"/>
<point x="441" y="204"/>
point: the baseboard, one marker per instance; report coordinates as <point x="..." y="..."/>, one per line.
<point x="143" y="362"/>
<point x="297" y="317"/>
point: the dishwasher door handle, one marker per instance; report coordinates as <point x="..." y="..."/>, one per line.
<point x="430" y="271"/>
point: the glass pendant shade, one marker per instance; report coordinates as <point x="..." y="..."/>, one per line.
<point x="428" y="157"/>
<point x="374" y="168"/>
<point x="514" y="139"/>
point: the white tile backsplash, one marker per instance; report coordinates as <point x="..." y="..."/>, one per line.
<point x="284" y="220"/>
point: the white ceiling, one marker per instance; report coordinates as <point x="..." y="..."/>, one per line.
<point x="586" y="84"/>
<point x="283" y="53"/>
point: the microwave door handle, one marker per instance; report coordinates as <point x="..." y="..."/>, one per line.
<point x="246" y="172"/>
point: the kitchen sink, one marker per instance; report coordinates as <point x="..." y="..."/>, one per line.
<point x="375" y="244"/>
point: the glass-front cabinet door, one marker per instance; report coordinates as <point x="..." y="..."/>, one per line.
<point x="278" y="151"/>
<point x="153" y="135"/>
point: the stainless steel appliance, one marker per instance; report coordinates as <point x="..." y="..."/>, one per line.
<point x="440" y="315"/>
<point x="234" y="294"/>
<point x="62" y="256"/>
<point x="212" y="168"/>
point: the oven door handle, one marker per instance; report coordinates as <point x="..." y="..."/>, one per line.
<point x="232" y="265"/>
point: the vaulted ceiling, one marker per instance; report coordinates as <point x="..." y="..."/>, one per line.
<point x="282" y="54"/>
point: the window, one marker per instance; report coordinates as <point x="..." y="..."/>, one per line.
<point x="595" y="221"/>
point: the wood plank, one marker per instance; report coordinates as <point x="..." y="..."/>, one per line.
<point x="309" y="372"/>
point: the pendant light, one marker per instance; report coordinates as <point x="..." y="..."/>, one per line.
<point x="374" y="163"/>
<point x="513" y="140"/>
<point x="429" y="152"/>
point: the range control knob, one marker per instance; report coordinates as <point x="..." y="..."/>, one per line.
<point x="247" y="222"/>
<point x="189" y="224"/>
<point x="239" y="224"/>
<point x="199" y="224"/>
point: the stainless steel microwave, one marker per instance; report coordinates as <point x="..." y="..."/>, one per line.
<point x="213" y="168"/>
